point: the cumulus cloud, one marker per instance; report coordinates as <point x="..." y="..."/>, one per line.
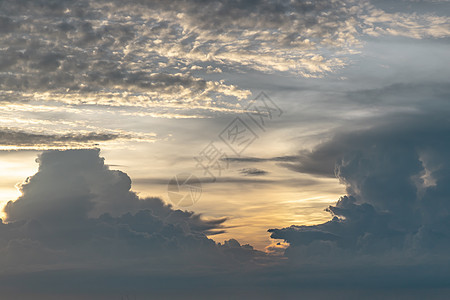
<point x="396" y="207"/>
<point x="77" y="214"/>
<point x="78" y="219"/>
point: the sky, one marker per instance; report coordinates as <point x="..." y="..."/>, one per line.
<point x="228" y="149"/>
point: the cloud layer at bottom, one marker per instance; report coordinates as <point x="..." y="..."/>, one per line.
<point x="78" y="231"/>
<point x="76" y="216"/>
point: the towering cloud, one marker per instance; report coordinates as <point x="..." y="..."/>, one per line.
<point x="398" y="203"/>
<point x="76" y="213"/>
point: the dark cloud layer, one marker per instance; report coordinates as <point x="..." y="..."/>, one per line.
<point x="78" y="222"/>
<point x="252" y="172"/>
<point x="259" y="159"/>
<point x="10" y="137"/>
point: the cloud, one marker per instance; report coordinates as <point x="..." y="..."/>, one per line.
<point x="237" y="180"/>
<point x="78" y="226"/>
<point x="16" y="139"/>
<point x="76" y="218"/>
<point x="77" y="214"/>
<point x="320" y="162"/>
<point x="252" y="172"/>
<point x="286" y="158"/>
<point x="402" y="94"/>
<point x="20" y="138"/>
<point x="392" y="105"/>
<point x="378" y="22"/>
<point x="396" y="207"/>
<point x="159" y="53"/>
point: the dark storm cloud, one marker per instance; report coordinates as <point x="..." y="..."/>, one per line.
<point x="421" y="100"/>
<point x="10" y="137"/>
<point x="397" y="207"/>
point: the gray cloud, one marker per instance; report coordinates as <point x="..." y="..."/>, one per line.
<point x="10" y="137"/>
<point x="320" y="162"/>
<point x="78" y="181"/>
<point x="398" y="104"/>
<point x="69" y="51"/>
<point x="75" y="211"/>
<point x="79" y="229"/>
<point x="77" y="218"/>
<point x="252" y="172"/>
<point x="397" y="207"/>
<point x="286" y="158"/>
<point x="402" y="94"/>
<point x="146" y="53"/>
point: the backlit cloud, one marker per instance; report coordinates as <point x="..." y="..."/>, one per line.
<point x="76" y="212"/>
